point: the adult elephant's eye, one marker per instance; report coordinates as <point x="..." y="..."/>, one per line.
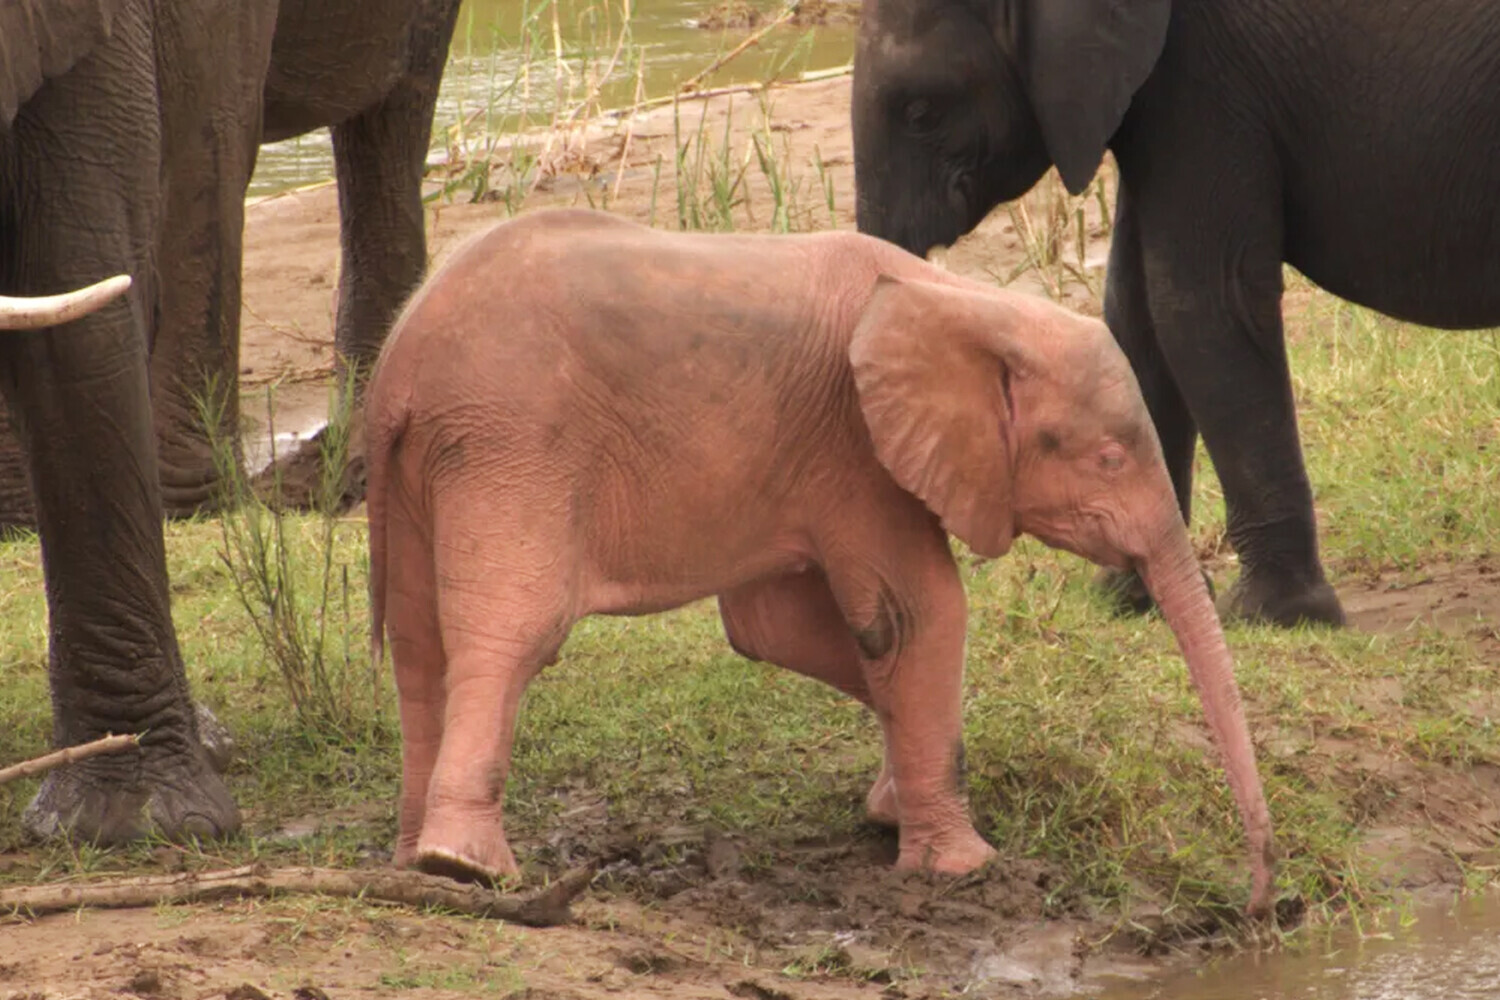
<point x="961" y="187"/>
<point x="921" y="115"/>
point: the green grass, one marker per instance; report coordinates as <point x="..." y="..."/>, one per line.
<point x="483" y="979"/>
<point x="1403" y="427"/>
<point x="1083" y="736"/>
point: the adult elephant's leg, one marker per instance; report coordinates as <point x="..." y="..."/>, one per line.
<point x="380" y="152"/>
<point x="1127" y="311"/>
<point x="80" y="397"/>
<point x="379" y="156"/>
<point x="211" y="121"/>
<point x="1213" y="265"/>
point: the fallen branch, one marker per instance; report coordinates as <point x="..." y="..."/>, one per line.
<point x="67" y="755"/>
<point x="607" y="121"/>
<point x="542" y="908"/>
<point x="692" y="82"/>
<point x="753" y="87"/>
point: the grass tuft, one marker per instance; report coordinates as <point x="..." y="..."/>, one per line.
<point x="290" y="581"/>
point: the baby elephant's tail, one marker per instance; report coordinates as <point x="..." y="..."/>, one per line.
<point x="383" y="429"/>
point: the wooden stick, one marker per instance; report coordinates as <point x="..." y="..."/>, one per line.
<point x="812" y="76"/>
<point x="692" y="82"/>
<point x="532" y="137"/>
<point x="67" y="755"/>
<point x="542" y="908"/>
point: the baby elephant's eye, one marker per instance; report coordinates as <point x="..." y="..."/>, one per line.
<point x="1111" y="458"/>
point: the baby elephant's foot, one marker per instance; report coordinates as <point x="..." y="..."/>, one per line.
<point x="462" y="868"/>
<point x="880" y="805"/>
<point x="459" y="853"/>
<point x="956" y="852"/>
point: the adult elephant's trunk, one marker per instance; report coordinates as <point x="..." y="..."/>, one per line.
<point x="1172" y="574"/>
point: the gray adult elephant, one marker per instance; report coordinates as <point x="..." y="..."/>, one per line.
<point x="1355" y="141"/>
<point x="107" y="111"/>
<point x="128" y="133"/>
<point x="369" y="70"/>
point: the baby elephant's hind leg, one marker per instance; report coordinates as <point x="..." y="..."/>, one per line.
<point x="502" y="620"/>
<point x="794" y="622"/>
<point x="463" y="831"/>
<point x="416" y="649"/>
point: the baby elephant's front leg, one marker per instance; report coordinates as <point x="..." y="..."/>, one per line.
<point x="914" y="650"/>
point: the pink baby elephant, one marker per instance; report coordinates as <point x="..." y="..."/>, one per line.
<point x="580" y="415"/>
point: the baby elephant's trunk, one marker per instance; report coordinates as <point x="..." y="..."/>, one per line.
<point x="1173" y="576"/>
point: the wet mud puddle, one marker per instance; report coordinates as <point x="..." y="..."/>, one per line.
<point x="1448" y="951"/>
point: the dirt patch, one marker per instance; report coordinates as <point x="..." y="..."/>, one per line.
<point x="1453" y="597"/>
<point x="689" y="915"/>
<point x="841" y="908"/>
<point x="1422" y="822"/>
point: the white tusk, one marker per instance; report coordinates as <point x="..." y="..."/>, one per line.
<point x="52" y="310"/>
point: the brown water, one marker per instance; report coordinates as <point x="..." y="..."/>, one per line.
<point x="502" y="71"/>
<point x="1448" y="951"/>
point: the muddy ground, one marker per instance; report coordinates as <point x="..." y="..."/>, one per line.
<point x="689" y="915"/>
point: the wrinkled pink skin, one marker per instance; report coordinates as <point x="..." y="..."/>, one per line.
<point x="579" y="415"/>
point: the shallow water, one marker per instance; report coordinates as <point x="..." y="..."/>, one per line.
<point x="1448" y="952"/>
<point x="487" y="79"/>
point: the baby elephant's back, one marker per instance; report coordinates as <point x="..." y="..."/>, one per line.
<point x="592" y="342"/>
<point x="583" y="293"/>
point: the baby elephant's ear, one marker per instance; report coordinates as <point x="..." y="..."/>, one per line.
<point x="932" y="387"/>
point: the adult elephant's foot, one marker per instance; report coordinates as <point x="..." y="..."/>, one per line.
<point x="1276" y="600"/>
<point x="154" y="791"/>
<point x="955" y="851"/>
<point x="191" y="481"/>
<point x="301" y="479"/>
<point x="1126" y="592"/>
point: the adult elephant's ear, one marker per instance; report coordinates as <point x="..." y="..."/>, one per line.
<point x="1083" y="61"/>
<point x="932" y="388"/>
<point x="41" y="39"/>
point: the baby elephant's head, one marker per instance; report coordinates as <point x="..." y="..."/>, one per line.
<point x="1006" y="414"/>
